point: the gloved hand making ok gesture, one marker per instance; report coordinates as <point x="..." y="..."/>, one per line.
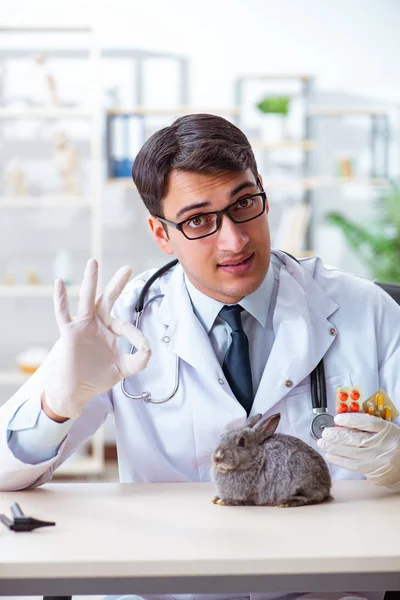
<point x="85" y="361"/>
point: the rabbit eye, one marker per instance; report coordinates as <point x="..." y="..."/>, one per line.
<point x="241" y="442"/>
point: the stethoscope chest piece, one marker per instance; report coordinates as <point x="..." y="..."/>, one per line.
<point x="319" y="423"/>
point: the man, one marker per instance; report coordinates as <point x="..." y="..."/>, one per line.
<point x="246" y="326"/>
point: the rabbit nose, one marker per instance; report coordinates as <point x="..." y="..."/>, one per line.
<point x="219" y="455"/>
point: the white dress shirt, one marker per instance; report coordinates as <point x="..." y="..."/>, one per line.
<point x="33" y="437"/>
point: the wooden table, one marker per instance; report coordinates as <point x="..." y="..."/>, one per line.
<point x="170" y="538"/>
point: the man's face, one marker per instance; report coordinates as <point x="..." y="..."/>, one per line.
<point x="211" y="263"/>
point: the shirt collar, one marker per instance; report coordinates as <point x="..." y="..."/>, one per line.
<point x="257" y="303"/>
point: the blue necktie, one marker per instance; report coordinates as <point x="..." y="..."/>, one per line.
<point x="236" y="365"/>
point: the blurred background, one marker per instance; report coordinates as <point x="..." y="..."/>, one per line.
<point x="314" y="85"/>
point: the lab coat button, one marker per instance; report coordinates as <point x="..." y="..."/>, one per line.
<point x="332" y="331"/>
<point x="221" y="381"/>
<point x="166" y="339"/>
<point x="288" y="383"/>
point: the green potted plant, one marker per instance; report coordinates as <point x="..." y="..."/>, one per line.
<point x="275" y="110"/>
<point x="378" y="245"/>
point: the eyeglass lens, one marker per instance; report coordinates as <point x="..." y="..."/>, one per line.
<point x="243" y="210"/>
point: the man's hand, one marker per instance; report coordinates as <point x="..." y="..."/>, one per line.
<point x="85" y="361"/>
<point x="366" y="445"/>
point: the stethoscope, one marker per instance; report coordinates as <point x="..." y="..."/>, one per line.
<point x="321" y="418"/>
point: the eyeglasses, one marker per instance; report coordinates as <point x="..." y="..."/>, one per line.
<point x="205" y="224"/>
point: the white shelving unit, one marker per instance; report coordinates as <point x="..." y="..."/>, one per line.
<point x="48" y="113"/>
<point x="346" y="111"/>
<point x="309" y="181"/>
<point x="34" y="291"/>
<point x="44" y="202"/>
<point x="141" y="113"/>
<point x="82" y="465"/>
<point x="166" y="112"/>
<point x="378" y="118"/>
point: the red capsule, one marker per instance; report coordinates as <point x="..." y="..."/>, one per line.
<point x="342" y="408"/>
<point x="343" y="396"/>
<point x="354" y="395"/>
<point x="354" y="407"/>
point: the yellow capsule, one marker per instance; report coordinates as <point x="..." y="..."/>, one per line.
<point x="388" y="413"/>
<point x="380" y="401"/>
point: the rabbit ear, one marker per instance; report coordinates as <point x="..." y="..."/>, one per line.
<point x="251" y="421"/>
<point x="268" y="427"/>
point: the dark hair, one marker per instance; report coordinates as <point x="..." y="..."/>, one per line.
<point x="195" y="143"/>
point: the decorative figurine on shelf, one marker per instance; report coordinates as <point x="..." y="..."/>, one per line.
<point x="16" y="178"/>
<point x="68" y="163"/>
<point x="30" y="359"/>
<point x="345" y="166"/>
<point x="50" y="84"/>
<point x="8" y="278"/>
<point x="32" y="277"/>
<point x="113" y="97"/>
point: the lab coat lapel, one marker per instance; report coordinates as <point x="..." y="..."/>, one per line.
<point x="188" y="338"/>
<point x="303" y="335"/>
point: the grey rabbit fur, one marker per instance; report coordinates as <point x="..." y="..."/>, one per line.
<point x="255" y="465"/>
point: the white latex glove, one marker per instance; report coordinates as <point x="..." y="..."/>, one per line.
<point x="85" y="361"/>
<point x="367" y="445"/>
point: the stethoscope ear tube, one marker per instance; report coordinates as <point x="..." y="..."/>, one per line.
<point x="139" y="310"/>
<point x="142" y="297"/>
<point x="318" y="387"/>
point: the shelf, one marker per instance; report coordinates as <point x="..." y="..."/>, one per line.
<point x="12" y="378"/>
<point x="34" y="291"/>
<point x="45" y="113"/>
<point x="321" y="182"/>
<point x="179" y="110"/>
<point x="80" y="465"/>
<point x="122" y="181"/>
<point x="377" y="183"/>
<point x="75" y="53"/>
<point x="344" y="111"/>
<point x="278" y="76"/>
<point x="306" y="184"/>
<point x="305" y="145"/>
<point x="47" y="28"/>
<point x="44" y="202"/>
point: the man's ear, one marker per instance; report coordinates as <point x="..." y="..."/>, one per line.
<point x="160" y="235"/>
<point x="260" y="179"/>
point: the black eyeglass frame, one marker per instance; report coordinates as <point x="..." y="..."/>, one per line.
<point x="219" y="213"/>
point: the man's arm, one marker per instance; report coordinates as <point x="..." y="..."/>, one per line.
<point x="21" y="422"/>
<point x="35" y="433"/>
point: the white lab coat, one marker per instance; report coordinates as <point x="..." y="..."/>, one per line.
<point x="320" y="313"/>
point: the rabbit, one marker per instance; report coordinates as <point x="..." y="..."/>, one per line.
<point x="253" y="465"/>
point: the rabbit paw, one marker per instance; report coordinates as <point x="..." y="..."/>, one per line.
<point x="225" y="502"/>
<point x="218" y="500"/>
